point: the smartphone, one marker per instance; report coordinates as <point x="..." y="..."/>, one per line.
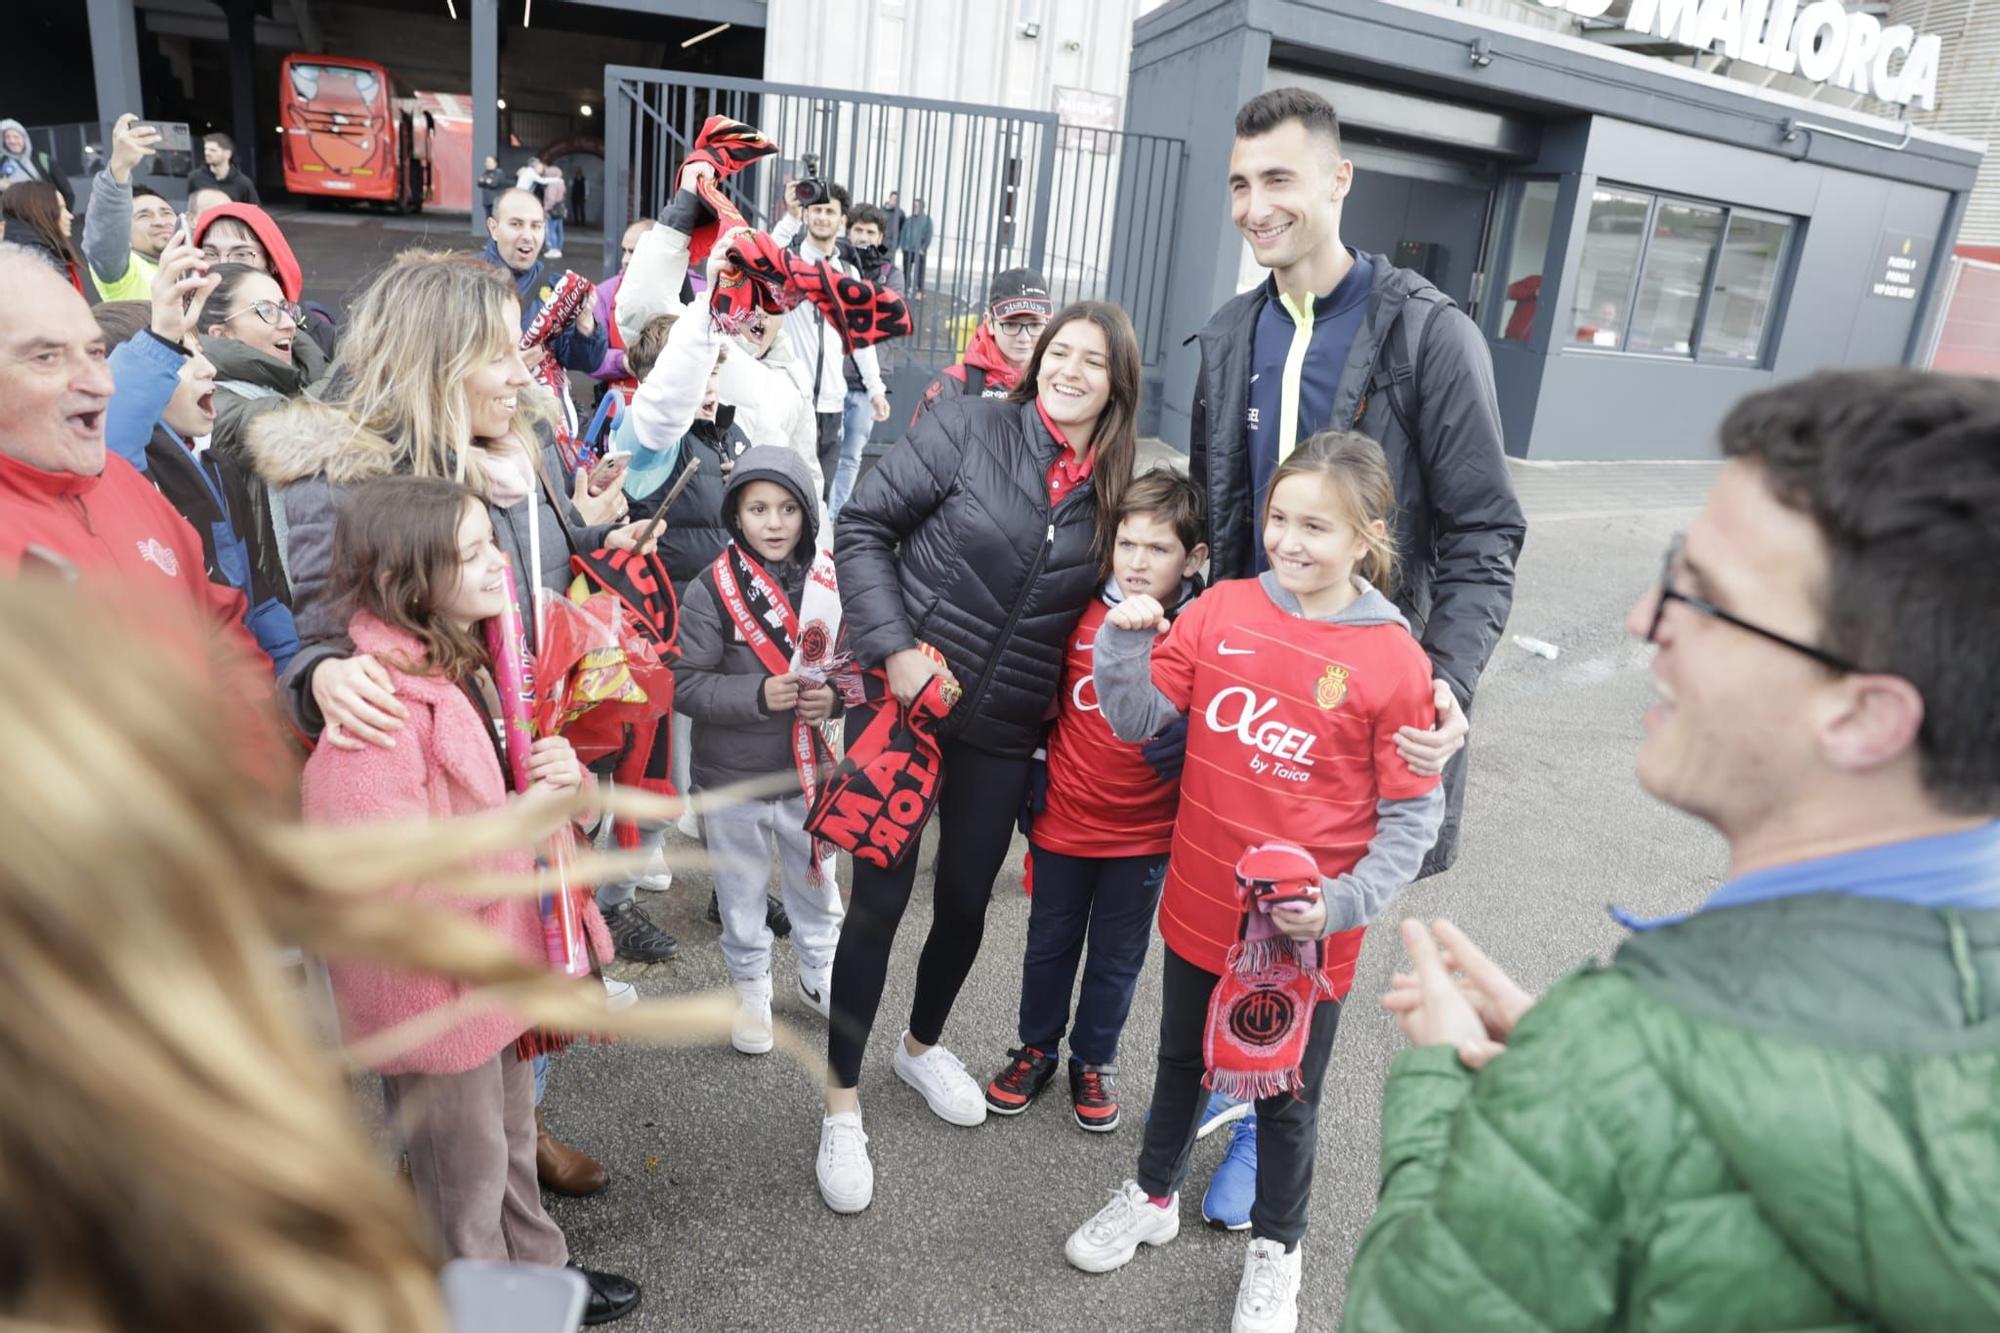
<point x="482" y="1296"/>
<point x="608" y="470"/>
<point x="174" y="135"/>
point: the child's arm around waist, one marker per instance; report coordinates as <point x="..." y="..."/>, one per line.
<point x="1122" y="668"/>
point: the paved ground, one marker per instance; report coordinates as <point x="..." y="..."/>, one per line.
<point x="713" y="1204"/>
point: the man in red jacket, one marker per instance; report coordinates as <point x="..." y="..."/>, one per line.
<point x="66" y="508"/>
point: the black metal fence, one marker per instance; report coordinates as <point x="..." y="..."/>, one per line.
<point x="1092" y="210"/>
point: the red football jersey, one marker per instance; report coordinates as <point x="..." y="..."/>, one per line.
<point x="1291" y="735"/>
<point x="1104" y="799"/>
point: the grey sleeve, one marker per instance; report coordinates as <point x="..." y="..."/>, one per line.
<point x="309" y="524"/>
<point x="702" y="690"/>
<point x="1122" y="667"/>
<point x="1404" y="831"/>
<point x="107" y="228"/>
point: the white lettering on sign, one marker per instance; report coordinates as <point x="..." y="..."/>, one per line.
<point x="1272" y="738"/>
<point x="1820" y="41"/>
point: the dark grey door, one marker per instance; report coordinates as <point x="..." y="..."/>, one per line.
<point x="1427" y="213"/>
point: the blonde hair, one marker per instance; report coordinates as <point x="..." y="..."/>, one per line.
<point x="1356" y="470"/>
<point x="424" y="325"/>
<point x="177" y="1151"/>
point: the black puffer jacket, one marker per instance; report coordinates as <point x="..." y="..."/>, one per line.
<point x="694" y="533"/>
<point x="950" y="540"/>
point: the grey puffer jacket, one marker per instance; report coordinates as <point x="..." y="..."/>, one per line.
<point x="951" y="540"/>
<point x="719" y="679"/>
<point x="309" y="453"/>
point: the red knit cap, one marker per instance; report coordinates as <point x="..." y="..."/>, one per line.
<point x="284" y="264"/>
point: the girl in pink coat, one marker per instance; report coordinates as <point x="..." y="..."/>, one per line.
<point x="416" y="559"/>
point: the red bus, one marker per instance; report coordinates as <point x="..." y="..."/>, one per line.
<point x="351" y="132"/>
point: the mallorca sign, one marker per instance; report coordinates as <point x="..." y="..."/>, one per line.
<point x="1820" y="41"/>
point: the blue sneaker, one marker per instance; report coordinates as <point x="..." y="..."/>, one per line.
<point x="1234" y="1188"/>
<point x="1219" y="1112"/>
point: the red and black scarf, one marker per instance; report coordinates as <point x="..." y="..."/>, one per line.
<point x="1260" y="1013"/>
<point x="876" y="803"/>
<point x="640" y="582"/>
<point x="764" y="616"/>
<point x="766" y="276"/>
<point x="728" y="146"/>
<point x="567" y="296"/>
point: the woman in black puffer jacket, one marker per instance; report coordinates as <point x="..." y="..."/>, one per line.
<point x="983" y="533"/>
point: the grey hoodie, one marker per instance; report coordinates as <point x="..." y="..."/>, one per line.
<point x="1404" y="829"/>
<point x="719" y="681"/>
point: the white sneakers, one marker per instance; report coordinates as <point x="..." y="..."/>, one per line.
<point x="846" y="1176"/>
<point x="942" y="1080"/>
<point x="816" y="989"/>
<point x="750" y="1033"/>
<point x="1267" y="1300"/>
<point x="1110" y="1239"/>
<point x="619" y="994"/>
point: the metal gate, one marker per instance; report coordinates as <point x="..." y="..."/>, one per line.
<point x="1092" y="210"/>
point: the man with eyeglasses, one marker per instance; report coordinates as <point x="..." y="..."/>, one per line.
<point x="1783" y="1109"/>
<point x="1018" y="308"/>
<point x="128" y="224"/>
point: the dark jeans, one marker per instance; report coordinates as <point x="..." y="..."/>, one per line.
<point x="913" y="270"/>
<point x="1110" y="900"/>
<point x="830" y="431"/>
<point x="975" y="815"/>
<point x="1287" y="1126"/>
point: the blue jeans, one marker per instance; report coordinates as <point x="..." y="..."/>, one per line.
<point x="857" y="420"/>
<point x="1110" y="900"/>
<point x="555" y="237"/>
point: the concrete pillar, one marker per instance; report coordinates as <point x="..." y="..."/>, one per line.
<point x="242" y="17"/>
<point x="485" y="95"/>
<point x="114" y="57"/>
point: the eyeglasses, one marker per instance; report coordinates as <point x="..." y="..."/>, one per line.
<point x="1668" y="593"/>
<point x="235" y="254"/>
<point x="1020" y="328"/>
<point x="271" y="311"/>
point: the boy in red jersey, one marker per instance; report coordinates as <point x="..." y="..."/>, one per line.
<point x="1101" y="835"/>
<point x="1294" y="684"/>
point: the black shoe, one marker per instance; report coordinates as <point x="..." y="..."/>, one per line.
<point x="611" y="1297"/>
<point x="1028" y="1071"/>
<point x="1093" y="1095"/>
<point x="637" y="939"/>
<point x="775" y="918"/>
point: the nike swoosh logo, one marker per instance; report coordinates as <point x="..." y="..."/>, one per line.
<point x="1083" y="647"/>
<point x="1227" y="651"/>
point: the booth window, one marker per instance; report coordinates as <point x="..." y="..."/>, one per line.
<point x="1668" y="276"/>
<point x="1527" y="252"/>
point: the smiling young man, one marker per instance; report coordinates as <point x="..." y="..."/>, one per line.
<point x="127" y="225"/>
<point x="1339" y="339"/>
<point x="1778" y="1111"/>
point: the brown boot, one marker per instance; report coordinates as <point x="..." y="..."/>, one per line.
<point x="562" y="1168"/>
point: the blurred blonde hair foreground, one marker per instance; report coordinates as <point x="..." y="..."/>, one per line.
<point x="177" y="1151"/>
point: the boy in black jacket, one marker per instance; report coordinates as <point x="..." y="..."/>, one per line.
<point x="738" y="627"/>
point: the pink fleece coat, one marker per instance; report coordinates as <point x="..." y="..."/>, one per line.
<point x="443" y="765"/>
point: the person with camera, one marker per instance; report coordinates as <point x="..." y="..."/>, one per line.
<point x="128" y="225"/>
<point x="816" y="214"/>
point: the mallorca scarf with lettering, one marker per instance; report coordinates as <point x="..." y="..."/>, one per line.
<point x="728" y="146"/>
<point x="764" y="616"/>
<point x="763" y="275"/>
<point x="880" y="797"/>
<point x="1260" y="1012"/>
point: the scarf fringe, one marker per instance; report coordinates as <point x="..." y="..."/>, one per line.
<point x="1245" y="1085"/>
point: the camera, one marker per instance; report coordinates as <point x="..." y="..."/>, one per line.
<point x="810" y="189"/>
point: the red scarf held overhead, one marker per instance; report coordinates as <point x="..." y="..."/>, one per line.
<point x="769" y="277"/>
<point x="728" y="146"/>
<point x="881" y="795"/>
<point x="1260" y="1013"/>
<point x="567" y="296"/>
<point x="764" y="616"/>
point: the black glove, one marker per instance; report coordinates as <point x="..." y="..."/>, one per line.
<point x="1167" y="752"/>
<point x="1037" y="797"/>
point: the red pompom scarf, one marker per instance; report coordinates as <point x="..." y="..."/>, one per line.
<point x="1260" y="1013"/>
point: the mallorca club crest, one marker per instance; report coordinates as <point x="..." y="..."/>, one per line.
<point x="1332" y="687"/>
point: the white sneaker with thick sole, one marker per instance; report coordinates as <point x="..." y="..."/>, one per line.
<point x="750" y="1033"/>
<point x="816" y="989"/>
<point x="941" y="1078"/>
<point x="1110" y="1239"/>
<point x="846" y="1176"/>
<point x="1267" y="1300"/>
<point x="619" y="994"/>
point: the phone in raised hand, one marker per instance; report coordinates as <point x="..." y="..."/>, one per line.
<point x="608" y="470"/>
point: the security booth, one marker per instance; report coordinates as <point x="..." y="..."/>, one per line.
<point x="1642" y="241"/>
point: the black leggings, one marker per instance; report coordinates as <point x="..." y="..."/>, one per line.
<point x="977" y="802"/>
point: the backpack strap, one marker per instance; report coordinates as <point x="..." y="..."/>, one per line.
<point x="975" y="381"/>
<point x="1410" y="336"/>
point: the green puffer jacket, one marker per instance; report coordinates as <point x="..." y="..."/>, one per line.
<point x="1784" y="1115"/>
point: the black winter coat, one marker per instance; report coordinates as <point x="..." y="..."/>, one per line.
<point x="1419" y="380"/>
<point x="951" y="540"/>
<point x="694" y="534"/>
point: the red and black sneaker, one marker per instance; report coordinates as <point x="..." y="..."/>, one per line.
<point x="1028" y="1071"/>
<point x="1093" y="1091"/>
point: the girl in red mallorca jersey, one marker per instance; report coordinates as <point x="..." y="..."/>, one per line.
<point x="1101" y="833"/>
<point x="1294" y="685"/>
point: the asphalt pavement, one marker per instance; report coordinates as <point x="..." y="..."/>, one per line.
<point x="713" y="1204"/>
